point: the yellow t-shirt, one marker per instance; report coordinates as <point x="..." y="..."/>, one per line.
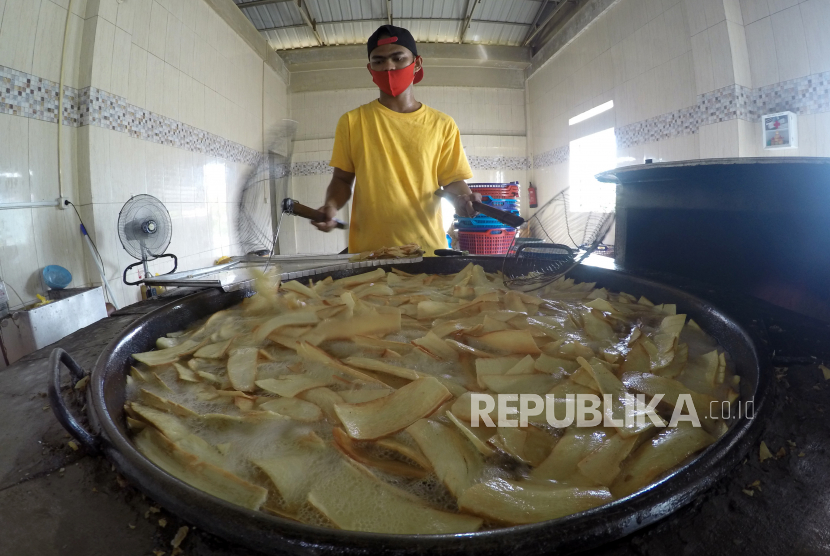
<point x="399" y="161"/>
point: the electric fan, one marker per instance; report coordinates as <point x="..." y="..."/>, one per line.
<point x="145" y="229"/>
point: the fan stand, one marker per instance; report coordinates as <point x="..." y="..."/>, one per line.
<point x="144" y="226"/>
<point x="143" y="261"/>
<point x="144" y="257"/>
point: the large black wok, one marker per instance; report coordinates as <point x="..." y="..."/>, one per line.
<point x="273" y="535"/>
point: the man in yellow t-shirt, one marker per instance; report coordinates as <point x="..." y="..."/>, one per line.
<point x="396" y="152"/>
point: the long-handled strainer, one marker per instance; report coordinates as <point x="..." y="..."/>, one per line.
<point x="533" y="265"/>
<point x="259" y="204"/>
<point x="263" y="198"/>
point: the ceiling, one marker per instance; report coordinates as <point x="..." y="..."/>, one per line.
<point x="292" y="24"/>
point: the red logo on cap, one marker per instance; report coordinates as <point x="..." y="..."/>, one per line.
<point x="387" y="40"/>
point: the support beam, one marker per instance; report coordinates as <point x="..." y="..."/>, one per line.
<point x="468" y="20"/>
<point x="309" y="21"/>
<point x="433" y="19"/>
<point x="548" y="19"/>
<point x="260" y="3"/>
<point x="255" y="3"/>
<point x="436" y="54"/>
<point x="535" y="20"/>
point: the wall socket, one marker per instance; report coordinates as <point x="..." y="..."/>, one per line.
<point x="62" y="203"/>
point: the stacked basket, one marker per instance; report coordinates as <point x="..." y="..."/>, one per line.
<point x="483" y="235"/>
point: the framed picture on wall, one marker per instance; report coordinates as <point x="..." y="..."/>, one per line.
<point x="780" y="131"/>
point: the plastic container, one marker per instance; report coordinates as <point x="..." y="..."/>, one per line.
<point x="496" y="190"/>
<point x="56" y="277"/>
<point x="487" y="242"/>
<point x="500" y="203"/>
<point x="449" y="242"/>
<point x="462" y="222"/>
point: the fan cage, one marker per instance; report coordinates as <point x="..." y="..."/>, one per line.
<point x="559" y="239"/>
<point x="139" y="209"/>
<point x="259" y="205"/>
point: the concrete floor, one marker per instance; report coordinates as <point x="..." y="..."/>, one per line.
<point x="56" y="501"/>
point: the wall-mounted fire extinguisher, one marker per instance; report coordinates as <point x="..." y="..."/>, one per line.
<point x="531" y="196"/>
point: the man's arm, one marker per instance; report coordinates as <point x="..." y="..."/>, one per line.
<point x="337" y="195"/>
<point x="463" y="198"/>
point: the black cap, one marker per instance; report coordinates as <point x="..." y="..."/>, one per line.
<point x="397" y="35"/>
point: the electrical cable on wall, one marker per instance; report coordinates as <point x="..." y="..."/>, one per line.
<point x="95" y="248"/>
<point x="15" y="293"/>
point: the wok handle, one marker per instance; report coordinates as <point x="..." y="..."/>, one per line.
<point x="89" y="441"/>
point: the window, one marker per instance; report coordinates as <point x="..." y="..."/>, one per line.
<point x="589" y="156"/>
<point x="592" y="112"/>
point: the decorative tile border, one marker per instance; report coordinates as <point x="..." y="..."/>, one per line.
<point x="805" y="95"/>
<point x="24" y="94"/>
<point x="103" y="109"/>
<point x="664" y="126"/>
<point x="498" y="162"/>
<point x="29" y="96"/>
<point x="317" y="167"/>
<point x="552" y="157"/>
<point x="311" y="168"/>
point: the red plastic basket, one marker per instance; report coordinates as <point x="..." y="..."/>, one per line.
<point x="496" y="191"/>
<point x="487" y="242"/>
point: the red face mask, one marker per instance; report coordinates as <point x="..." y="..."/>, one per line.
<point x="393" y="82"/>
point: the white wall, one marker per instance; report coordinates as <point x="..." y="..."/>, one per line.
<point x="31" y="37"/>
<point x="689" y="79"/>
<point x="173" y="66"/>
<point x="789" y="52"/>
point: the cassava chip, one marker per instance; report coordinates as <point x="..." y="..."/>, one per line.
<point x="392" y="413"/>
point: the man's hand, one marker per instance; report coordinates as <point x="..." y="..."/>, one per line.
<point x="329" y="224"/>
<point x="464" y="204"/>
<point x="464" y="198"/>
<point x="338" y="194"/>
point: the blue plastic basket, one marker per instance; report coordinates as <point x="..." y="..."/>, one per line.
<point x="480" y="221"/>
<point x="56" y="277"/>
<point x="511" y="203"/>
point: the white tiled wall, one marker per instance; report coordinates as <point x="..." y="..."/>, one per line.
<point x="493" y="147"/>
<point x="476" y="110"/>
<point x="786" y="39"/>
<point x="643" y="55"/>
<point x="31" y="38"/>
<point x="670" y="55"/>
<point x="638" y="54"/>
<point x="183" y="62"/>
<point x="177" y="58"/>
